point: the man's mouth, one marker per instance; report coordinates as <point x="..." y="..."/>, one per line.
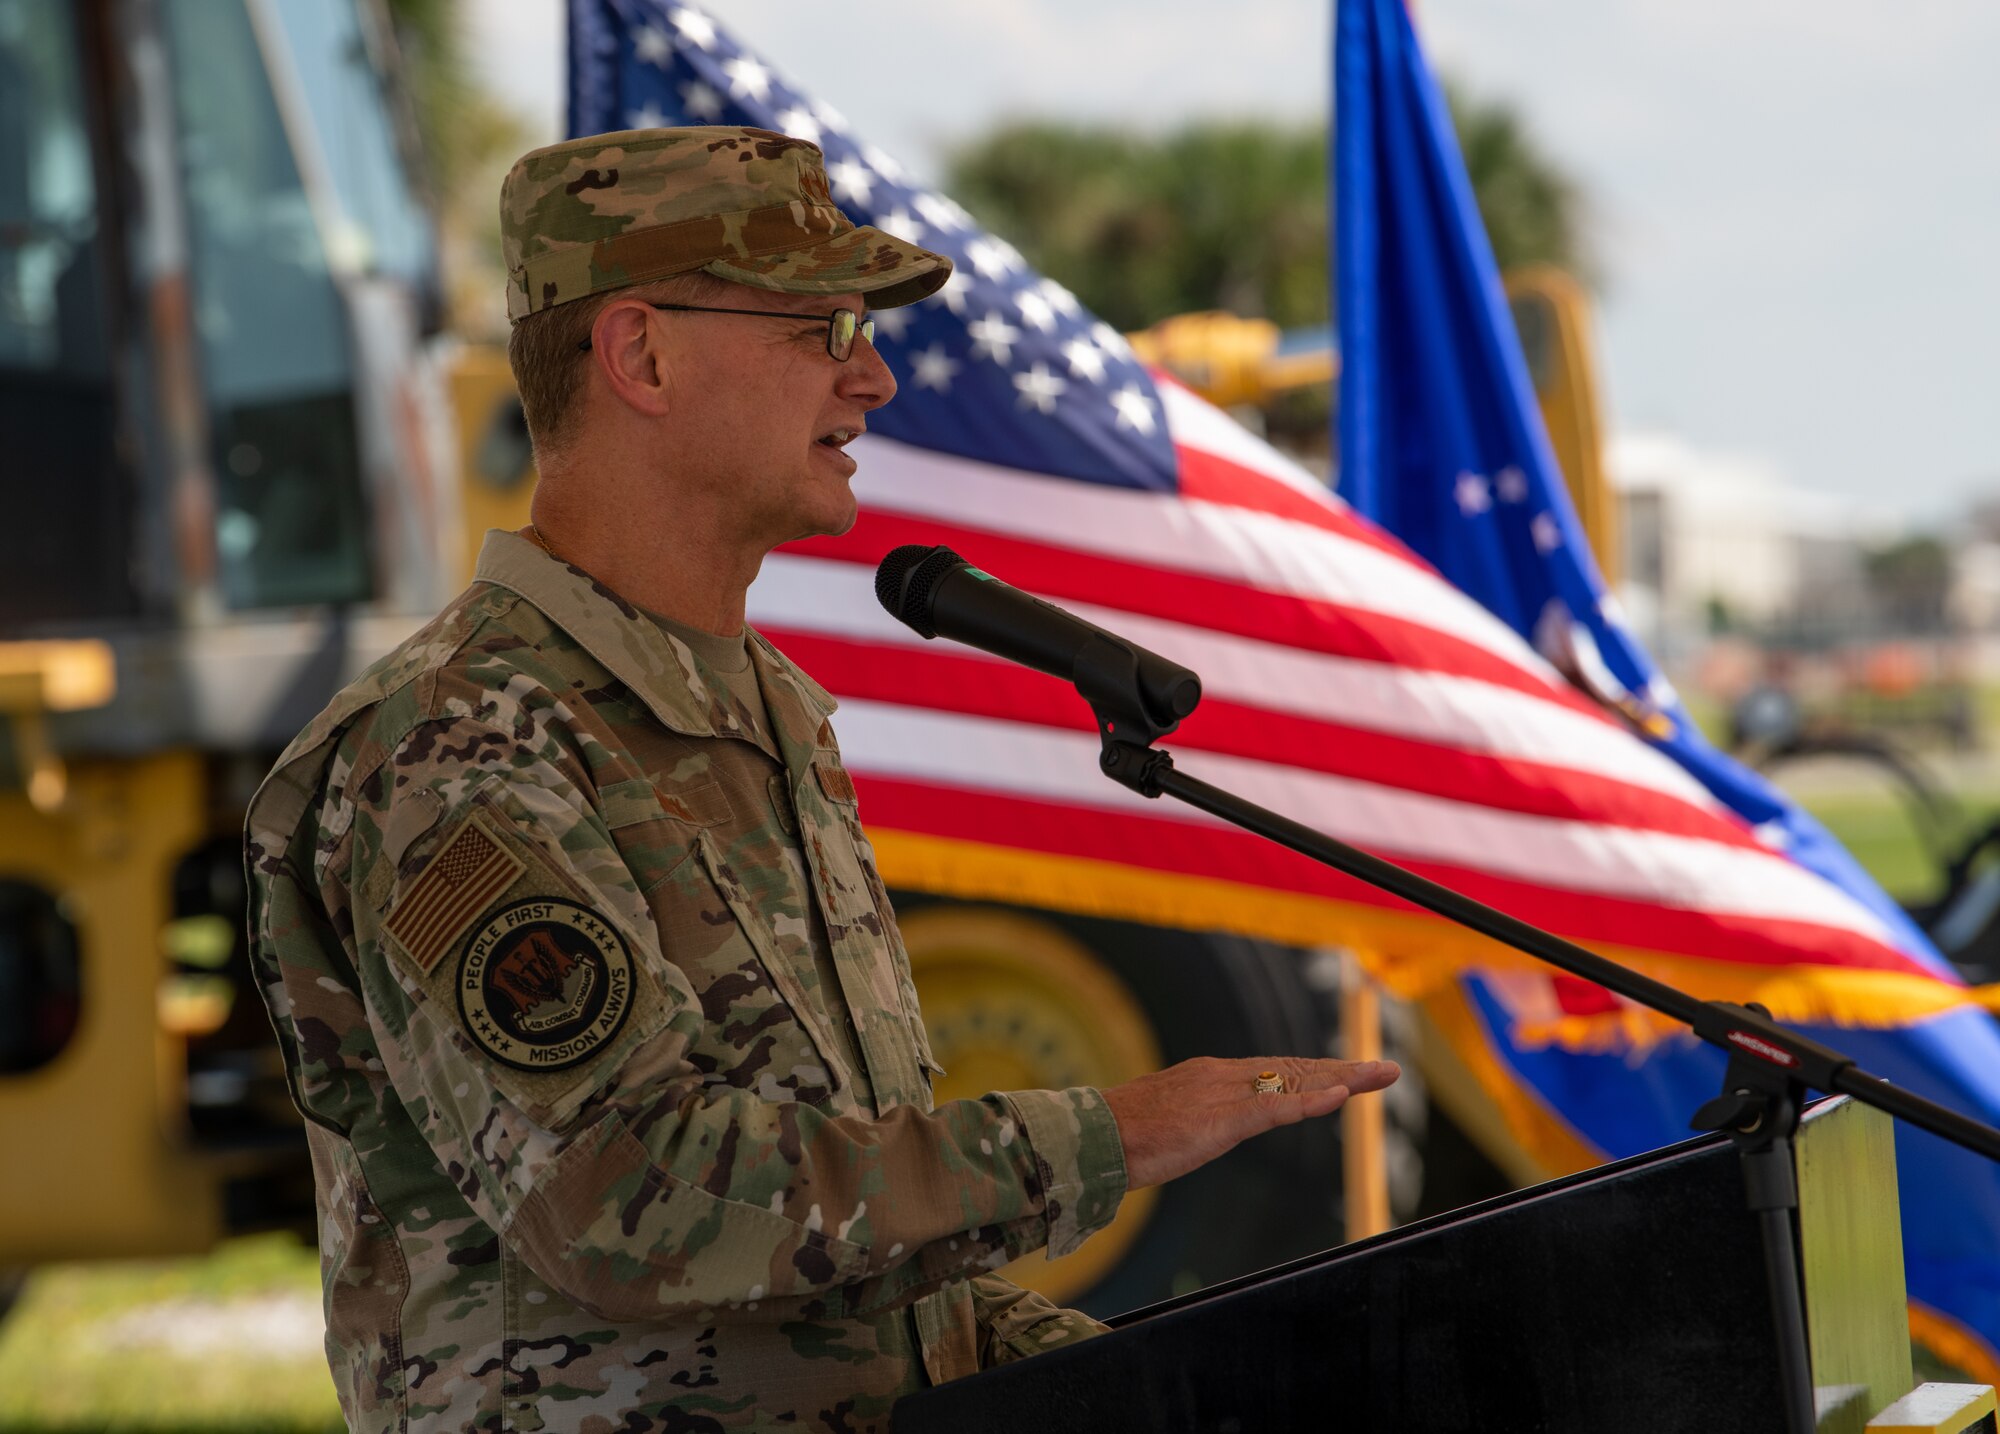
<point x="838" y="438"/>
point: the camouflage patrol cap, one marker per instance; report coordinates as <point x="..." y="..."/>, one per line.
<point x="610" y="210"/>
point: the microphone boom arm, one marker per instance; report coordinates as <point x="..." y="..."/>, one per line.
<point x="1109" y="675"/>
<point x="1764" y="1086"/>
<point x="1736" y="1030"/>
<point x="1139" y="696"/>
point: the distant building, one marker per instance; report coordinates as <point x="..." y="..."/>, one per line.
<point x="1717" y="542"/>
<point x="1974" y="602"/>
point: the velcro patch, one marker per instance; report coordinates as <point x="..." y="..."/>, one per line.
<point x="461" y="881"/>
<point x="545" y="984"/>
<point x="835" y="782"/>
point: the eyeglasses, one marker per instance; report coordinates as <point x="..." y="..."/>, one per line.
<point x="841" y="325"/>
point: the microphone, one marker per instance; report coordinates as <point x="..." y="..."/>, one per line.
<point x="939" y="594"/>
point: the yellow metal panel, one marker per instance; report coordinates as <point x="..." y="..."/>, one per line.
<point x="1552" y="313"/>
<point x="93" y="1152"/>
<point x="56" y="676"/>
<point x="1851" y="1257"/>
<point x="481" y="385"/>
<point x="1221" y="356"/>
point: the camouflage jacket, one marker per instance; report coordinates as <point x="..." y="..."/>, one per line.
<point x="534" y="918"/>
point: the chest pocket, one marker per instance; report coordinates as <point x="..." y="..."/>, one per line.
<point x="862" y="928"/>
<point x="727" y="911"/>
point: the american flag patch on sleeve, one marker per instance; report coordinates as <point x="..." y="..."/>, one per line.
<point x="462" y="880"/>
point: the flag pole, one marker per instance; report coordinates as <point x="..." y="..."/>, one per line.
<point x="1363" y="1129"/>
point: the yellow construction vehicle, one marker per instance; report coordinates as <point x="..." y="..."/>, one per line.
<point x="1251" y="364"/>
<point x="242" y="461"/>
<point x="232" y="440"/>
<point x="229" y="485"/>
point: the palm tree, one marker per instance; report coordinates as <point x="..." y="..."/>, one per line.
<point x="1534" y="212"/>
<point x="1231" y="215"/>
<point x="469" y="137"/>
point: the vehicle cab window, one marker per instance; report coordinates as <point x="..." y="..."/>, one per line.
<point x="378" y="224"/>
<point x="63" y="559"/>
<point x="277" y="362"/>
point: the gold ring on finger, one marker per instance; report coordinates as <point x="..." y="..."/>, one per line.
<point x="1268" y="1083"/>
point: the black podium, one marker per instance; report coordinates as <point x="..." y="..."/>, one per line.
<point x="1630" y="1298"/>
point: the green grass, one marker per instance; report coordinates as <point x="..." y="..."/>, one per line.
<point x="1877" y="829"/>
<point x="1876" y="818"/>
<point x="72" y="1360"/>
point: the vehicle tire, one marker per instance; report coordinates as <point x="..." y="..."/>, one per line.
<point x="12" y="1282"/>
<point x="1073" y="997"/>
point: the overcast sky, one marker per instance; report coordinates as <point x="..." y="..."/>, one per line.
<point x="1797" y="202"/>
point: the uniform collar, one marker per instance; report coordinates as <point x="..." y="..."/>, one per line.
<point x="798" y="706"/>
<point x="658" y="668"/>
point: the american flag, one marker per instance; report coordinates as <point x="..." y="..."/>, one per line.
<point x="1347" y="685"/>
<point x="464" y="880"/>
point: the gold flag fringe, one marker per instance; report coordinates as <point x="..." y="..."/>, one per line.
<point x="1413" y="954"/>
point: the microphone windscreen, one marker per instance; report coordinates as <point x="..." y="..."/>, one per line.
<point x="906" y="579"/>
<point x="889" y="575"/>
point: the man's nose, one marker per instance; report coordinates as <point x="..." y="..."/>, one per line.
<point x="865" y="377"/>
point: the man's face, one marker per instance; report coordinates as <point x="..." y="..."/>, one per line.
<point x="761" y="413"/>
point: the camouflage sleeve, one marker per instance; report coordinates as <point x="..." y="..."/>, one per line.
<point x="1015" y="1323"/>
<point x="542" y="1042"/>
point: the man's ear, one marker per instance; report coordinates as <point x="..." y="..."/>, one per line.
<point x="626" y="346"/>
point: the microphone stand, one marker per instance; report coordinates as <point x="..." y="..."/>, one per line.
<point x="1770" y="1068"/>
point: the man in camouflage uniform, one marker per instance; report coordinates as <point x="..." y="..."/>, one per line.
<point x="617" y="1092"/>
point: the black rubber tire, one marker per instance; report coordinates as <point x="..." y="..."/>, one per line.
<point x="1270" y="1200"/>
<point x="13" y="1280"/>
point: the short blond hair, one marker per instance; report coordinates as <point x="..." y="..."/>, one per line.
<point x="545" y="351"/>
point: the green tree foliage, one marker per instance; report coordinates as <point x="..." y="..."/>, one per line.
<point x="444" y="94"/>
<point x="1229" y="215"/>
<point x="469" y="138"/>
<point x="1141" y="228"/>
<point x="1533" y="211"/>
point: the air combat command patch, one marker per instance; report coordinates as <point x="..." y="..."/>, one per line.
<point x="544" y="984"/>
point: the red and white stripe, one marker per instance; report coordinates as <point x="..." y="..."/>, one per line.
<point x="1345" y="684"/>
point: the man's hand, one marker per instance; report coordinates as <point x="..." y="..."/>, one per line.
<point x="1179" y="1119"/>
